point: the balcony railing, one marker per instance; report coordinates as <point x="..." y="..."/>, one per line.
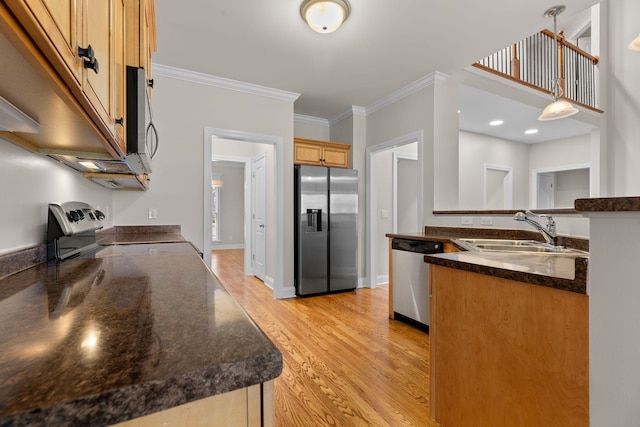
<point x="531" y="62"/>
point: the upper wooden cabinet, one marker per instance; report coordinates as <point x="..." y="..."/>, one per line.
<point x="321" y="153"/>
<point x="141" y="34"/>
<point x="64" y="65"/>
<point x="78" y="38"/>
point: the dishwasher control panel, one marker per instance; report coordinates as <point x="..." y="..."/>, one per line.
<point x="417" y="246"/>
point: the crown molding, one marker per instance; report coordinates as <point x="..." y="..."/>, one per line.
<point x="310" y="120"/>
<point x="354" y="110"/>
<point x="434" y="78"/>
<point x="223" y="83"/>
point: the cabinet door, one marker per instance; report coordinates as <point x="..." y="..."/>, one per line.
<point x="119" y="81"/>
<point x="307" y="154"/>
<point x="97" y="84"/>
<point x="53" y="24"/>
<point x="336" y="157"/>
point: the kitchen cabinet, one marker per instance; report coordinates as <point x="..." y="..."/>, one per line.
<point x="321" y="153"/>
<point x="507" y="352"/>
<point x="141" y="34"/>
<point x="76" y="38"/>
<point x="249" y="407"/>
<point x="80" y="112"/>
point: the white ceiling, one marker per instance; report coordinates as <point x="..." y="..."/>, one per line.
<point x="478" y="108"/>
<point x="382" y="47"/>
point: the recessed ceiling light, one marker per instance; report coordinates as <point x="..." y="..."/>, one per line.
<point x="496" y="122"/>
<point x="531" y="131"/>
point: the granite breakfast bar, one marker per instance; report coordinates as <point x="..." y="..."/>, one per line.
<point x="509" y="332"/>
<point x="138" y="329"/>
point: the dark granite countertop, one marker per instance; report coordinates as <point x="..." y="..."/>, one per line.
<point x="136" y="330"/>
<point x="556" y="271"/>
<point x="126" y="235"/>
<point x="608" y="204"/>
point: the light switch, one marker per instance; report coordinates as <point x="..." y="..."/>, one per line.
<point x="466" y="220"/>
<point x="486" y="220"/>
<point x="153" y="213"/>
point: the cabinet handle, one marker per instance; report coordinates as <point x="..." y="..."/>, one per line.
<point x="150" y="83"/>
<point x="120" y="121"/>
<point x="89" y="58"/>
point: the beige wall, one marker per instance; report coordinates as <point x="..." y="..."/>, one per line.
<point x="182" y="111"/>
<point x="231" y="204"/>
<point x="28" y="183"/>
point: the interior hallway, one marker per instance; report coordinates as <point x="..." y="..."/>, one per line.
<point x="345" y="362"/>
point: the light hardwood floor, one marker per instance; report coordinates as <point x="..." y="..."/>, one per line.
<point x="345" y="362"/>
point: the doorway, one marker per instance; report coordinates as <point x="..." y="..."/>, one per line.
<point x="498" y="187"/>
<point x="274" y="225"/>
<point x="382" y="199"/>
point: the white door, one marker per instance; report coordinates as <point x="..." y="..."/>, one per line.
<point x="546" y="190"/>
<point x="258" y="216"/>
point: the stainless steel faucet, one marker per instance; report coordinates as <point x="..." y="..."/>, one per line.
<point x="548" y="232"/>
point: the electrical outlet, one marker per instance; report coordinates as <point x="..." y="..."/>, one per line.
<point x="153" y="213"/>
<point x="384" y="213"/>
<point x="466" y="220"/>
<point x="486" y="220"/>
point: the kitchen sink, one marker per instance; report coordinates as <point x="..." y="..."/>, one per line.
<point x="521" y="246"/>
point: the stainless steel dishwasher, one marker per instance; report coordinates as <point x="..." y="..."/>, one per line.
<point x="411" y="280"/>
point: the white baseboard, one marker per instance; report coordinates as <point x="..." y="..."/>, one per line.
<point x="382" y="279"/>
<point x="219" y="246"/>
<point x="268" y="281"/>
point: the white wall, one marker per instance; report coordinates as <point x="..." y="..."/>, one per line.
<point x="561" y="153"/>
<point x="352" y="130"/>
<point x="476" y="151"/>
<point x="384" y="204"/>
<point x="571" y="185"/>
<point x="183" y="110"/>
<point x="621" y="67"/>
<point x="231" y="206"/>
<point x="28" y="183"/>
<point x="613" y="310"/>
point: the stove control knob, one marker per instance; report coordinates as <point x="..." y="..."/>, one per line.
<point x="70" y="216"/>
<point x="99" y="215"/>
<point x="73" y="216"/>
<point x="80" y="214"/>
<point x="91" y="216"/>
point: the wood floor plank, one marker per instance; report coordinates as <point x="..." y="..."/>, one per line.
<point x="345" y="362"/>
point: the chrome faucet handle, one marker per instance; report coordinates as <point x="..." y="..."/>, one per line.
<point x="551" y="225"/>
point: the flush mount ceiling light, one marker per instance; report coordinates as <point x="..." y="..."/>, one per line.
<point x="559" y="108"/>
<point x="496" y="123"/>
<point x="324" y="16"/>
<point x="635" y="44"/>
<point x="531" y="131"/>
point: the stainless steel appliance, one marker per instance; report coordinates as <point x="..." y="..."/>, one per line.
<point x="326" y="230"/>
<point x="71" y="229"/>
<point x="411" y="280"/>
<point x="142" y="136"/>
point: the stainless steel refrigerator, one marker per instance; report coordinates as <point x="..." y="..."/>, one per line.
<point x="326" y="229"/>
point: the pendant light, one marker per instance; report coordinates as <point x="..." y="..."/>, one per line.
<point x="635" y="44"/>
<point x="324" y="16"/>
<point x="559" y="108"/>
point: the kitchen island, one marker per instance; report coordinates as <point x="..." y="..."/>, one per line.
<point x="135" y="330"/>
<point x="509" y="335"/>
